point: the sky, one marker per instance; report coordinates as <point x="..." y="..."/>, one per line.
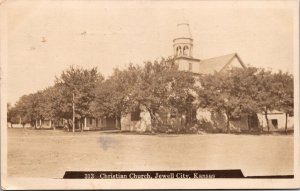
<point x="46" y="37"/>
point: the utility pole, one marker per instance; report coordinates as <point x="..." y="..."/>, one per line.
<point x="73" y="102"/>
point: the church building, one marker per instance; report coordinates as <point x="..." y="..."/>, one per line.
<point x="183" y="55"/>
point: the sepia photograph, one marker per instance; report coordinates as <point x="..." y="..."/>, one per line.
<point x="149" y="94"/>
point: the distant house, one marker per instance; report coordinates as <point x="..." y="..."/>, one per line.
<point x="277" y="120"/>
<point x="87" y="123"/>
<point x="45" y="123"/>
<point x="104" y="123"/>
<point x="17" y="125"/>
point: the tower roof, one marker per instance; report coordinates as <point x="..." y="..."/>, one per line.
<point x="183" y="30"/>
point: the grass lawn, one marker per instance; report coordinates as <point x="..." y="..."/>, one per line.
<point x="47" y="153"/>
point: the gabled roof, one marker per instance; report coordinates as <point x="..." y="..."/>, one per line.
<point x="275" y="112"/>
<point x="217" y="64"/>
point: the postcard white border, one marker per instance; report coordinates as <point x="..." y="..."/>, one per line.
<point x="45" y="183"/>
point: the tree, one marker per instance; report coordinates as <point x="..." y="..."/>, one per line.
<point x="161" y="85"/>
<point x="182" y="94"/>
<point x="27" y="107"/>
<point x="245" y="87"/>
<point x="12" y="115"/>
<point x="283" y="89"/>
<point x="154" y="86"/>
<point x="266" y="98"/>
<point x="114" y="96"/>
<point x="51" y="106"/>
<point x="76" y="86"/>
<point x="215" y="94"/>
<point x="230" y="92"/>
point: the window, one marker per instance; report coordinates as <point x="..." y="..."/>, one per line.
<point x="275" y="123"/>
<point x="190" y="66"/>
<point x="91" y="121"/>
<point x="178" y="51"/>
<point x="135" y="115"/>
<point x="185" y="50"/>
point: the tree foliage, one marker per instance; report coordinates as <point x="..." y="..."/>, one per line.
<point x="81" y="83"/>
<point x="247" y="91"/>
<point x="157" y="86"/>
<point x="154" y="86"/>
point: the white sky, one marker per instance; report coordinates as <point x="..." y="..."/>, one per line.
<point x="120" y="32"/>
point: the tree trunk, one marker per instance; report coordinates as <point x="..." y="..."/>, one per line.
<point x="266" y="116"/>
<point x="73" y="114"/>
<point x="187" y="118"/>
<point x="51" y="125"/>
<point x="248" y="123"/>
<point x="227" y="124"/>
<point x="286" y="120"/>
<point x="84" y="123"/>
<point x="153" y="119"/>
<point x="73" y="106"/>
<point x="70" y="125"/>
<point x="118" y="122"/>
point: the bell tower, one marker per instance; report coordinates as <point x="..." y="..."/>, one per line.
<point x="183" y="41"/>
<point x="183" y="49"/>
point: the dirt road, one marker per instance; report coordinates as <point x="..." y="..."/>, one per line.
<point x="45" y="153"/>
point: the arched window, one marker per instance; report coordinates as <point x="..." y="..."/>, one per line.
<point x="186" y="50"/>
<point x="178" y="51"/>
